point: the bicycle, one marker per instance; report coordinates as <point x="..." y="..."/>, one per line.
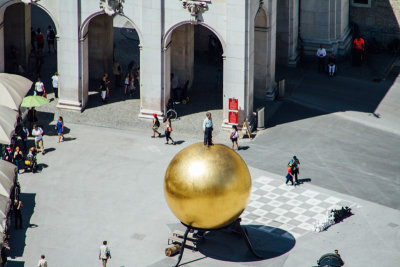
<point x="171" y="111"/>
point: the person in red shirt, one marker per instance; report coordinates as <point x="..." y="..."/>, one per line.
<point x="40" y="40"/>
<point x="289" y="175"/>
<point x="358" y="50"/>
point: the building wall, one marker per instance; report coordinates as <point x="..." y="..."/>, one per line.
<point x="380" y="19"/>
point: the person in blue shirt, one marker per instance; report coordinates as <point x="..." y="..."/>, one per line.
<point x="294" y="163"/>
<point x="207" y="129"/>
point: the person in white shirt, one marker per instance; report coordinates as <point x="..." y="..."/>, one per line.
<point x="207" y="129"/>
<point x="54" y="79"/>
<point x="321" y="55"/>
<point x="37" y="132"/>
<point x="39" y="87"/>
<point x="42" y="262"/>
<point x="104" y="253"/>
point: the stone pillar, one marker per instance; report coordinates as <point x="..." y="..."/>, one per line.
<point x="265" y="50"/>
<point x="17" y="38"/>
<point x="153" y="64"/>
<point x="2" y="51"/>
<point x="261" y="54"/>
<point x="182" y="53"/>
<point x="69" y="58"/>
<point x="287" y="32"/>
<point x="101" y="41"/>
<point x="238" y="77"/>
<point x="325" y="22"/>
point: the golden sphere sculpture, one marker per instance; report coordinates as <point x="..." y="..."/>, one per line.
<point x="207" y="187"/>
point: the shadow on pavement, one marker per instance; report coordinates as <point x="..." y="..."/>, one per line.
<point x="15" y="264"/>
<point x="268" y="242"/>
<point x="17" y="240"/>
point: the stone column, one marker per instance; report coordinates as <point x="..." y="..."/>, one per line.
<point x="287" y="32"/>
<point x="182" y="53"/>
<point x="153" y="61"/>
<point x="69" y="59"/>
<point x="325" y="22"/>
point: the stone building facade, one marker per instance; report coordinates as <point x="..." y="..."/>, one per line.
<point x="254" y="36"/>
<point x="376" y="19"/>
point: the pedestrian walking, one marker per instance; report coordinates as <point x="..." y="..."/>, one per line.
<point x="17" y="207"/>
<point x="107" y="81"/>
<point x="104" y="253"/>
<point x="60" y="129"/>
<point x="132" y="87"/>
<point x="337" y="253"/>
<point x="32" y="118"/>
<point x="126" y="83"/>
<point x="24" y="136"/>
<point x="234" y="136"/>
<point x="51" y="36"/>
<point x="331" y="64"/>
<point x="39" y="40"/>
<point x="39" y="87"/>
<point x="54" y="79"/>
<point x="289" y="175"/>
<point x="156" y="125"/>
<point x="104" y="88"/>
<point x="18" y="156"/>
<point x="168" y="130"/>
<point x="37" y="132"/>
<point x="207" y="129"/>
<point x="42" y="261"/>
<point x="321" y="55"/>
<point x="294" y="163"/>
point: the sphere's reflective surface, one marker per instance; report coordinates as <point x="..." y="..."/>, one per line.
<point x="207" y="188"/>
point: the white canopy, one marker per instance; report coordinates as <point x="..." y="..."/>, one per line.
<point x="7" y="179"/>
<point x="13" y="88"/>
<point x="8" y="121"/>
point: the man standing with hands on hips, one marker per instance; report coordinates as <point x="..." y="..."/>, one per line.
<point x="207" y="129"/>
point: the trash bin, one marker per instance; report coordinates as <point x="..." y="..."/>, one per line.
<point x="260" y="118"/>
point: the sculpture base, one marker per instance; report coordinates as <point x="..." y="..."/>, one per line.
<point x="236" y="228"/>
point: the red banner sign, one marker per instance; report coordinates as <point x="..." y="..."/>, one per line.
<point x="233" y="104"/>
<point x="233" y="117"/>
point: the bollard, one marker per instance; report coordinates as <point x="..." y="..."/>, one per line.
<point x="260" y="118"/>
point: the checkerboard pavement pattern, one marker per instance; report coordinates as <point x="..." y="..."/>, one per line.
<point x="294" y="209"/>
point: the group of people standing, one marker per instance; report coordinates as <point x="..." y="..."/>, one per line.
<point x="357" y="55"/>
<point x="130" y="80"/>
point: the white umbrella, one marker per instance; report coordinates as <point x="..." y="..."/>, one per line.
<point x="13" y="88"/>
<point x="8" y="121"/>
<point x="8" y="172"/>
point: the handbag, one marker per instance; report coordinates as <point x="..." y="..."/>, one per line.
<point x="169" y="129"/>
<point x="44" y="94"/>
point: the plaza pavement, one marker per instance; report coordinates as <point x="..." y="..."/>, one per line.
<point x="107" y="184"/>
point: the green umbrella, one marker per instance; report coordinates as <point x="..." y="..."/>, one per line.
<point x="34" y="101"/>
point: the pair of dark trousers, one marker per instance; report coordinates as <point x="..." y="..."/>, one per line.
<point x="208" y="136"/>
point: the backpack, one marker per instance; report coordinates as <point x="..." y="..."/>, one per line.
<point x="52" y="34"/>
<point x="157" y="123"/>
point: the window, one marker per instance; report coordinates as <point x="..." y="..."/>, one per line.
<point x="361" y="3"/>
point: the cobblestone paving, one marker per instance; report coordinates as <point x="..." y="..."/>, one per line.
<point x="294" y="209"/>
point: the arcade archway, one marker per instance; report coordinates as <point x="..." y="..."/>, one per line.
<point x="193" y="68"/>
<point x="106" y="41"/>
<point x="22" y="54"/>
